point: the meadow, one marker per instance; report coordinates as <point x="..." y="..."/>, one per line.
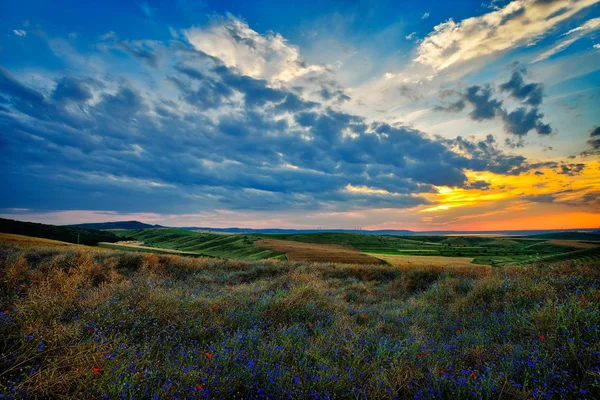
<point x="89" y="323"/>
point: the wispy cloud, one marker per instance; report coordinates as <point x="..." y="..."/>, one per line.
<point x="571" y="37"/>
<point x="19" y="32"/>
<point x="518" y="23"/>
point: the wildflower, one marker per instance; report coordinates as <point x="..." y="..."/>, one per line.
<point x="90" y="331"/>
<point x="96" y="370"/>
<point x="362" y="316"/>
<point x="473" y="375"/>
<point x="199" y="387"/>
<point x="208" y="355"/>
<point x="542" y="337"/>
<point x="441" y="372"/>
<point x="457" y="331"/>
<point x="139" y="374"/>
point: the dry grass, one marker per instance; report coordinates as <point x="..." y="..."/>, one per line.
<point x="311" y="252"/>
<point x="27" y="241"/>
<point x="425" y="261"/>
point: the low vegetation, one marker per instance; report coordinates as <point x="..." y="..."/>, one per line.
<point x="86" y="323"/>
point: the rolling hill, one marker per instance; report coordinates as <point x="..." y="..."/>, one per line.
<point x="62" y="233"/>
<point x="116" y="225"/>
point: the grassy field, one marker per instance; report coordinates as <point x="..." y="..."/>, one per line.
<point x="495" y="251"/>
<point x="85" y="323"/>
<point x="239" y="247"/>
<point x="425" y="260"/>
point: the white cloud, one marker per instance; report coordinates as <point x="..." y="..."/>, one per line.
<point x="572" y="36"/>
<point x="267" y="56"/>
<point x="19" y="32"/>
<point x="425" y="16"/>
<point x="412" y="36"/>
<point x="597" y="46"/>
<point x="520" y="22"/>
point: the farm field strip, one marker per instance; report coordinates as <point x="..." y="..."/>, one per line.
<point x="423" y="261"/>
<point x="312" y="252"/>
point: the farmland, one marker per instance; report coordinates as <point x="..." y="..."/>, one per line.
<point x="311" y="252"/>
<point x="80" y="322"/>
<point x="239" y="247"/>
<point x="359" y="248"/>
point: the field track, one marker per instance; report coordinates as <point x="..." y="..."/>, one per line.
<point x="129" y="245"/>
<point x="312" y="252"/>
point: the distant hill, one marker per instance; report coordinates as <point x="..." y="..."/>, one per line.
<point x="63" y="233"/>
<point x="116" y="225"/>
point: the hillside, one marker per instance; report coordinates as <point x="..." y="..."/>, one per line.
<point x="116" y="225"/>
<point x="62" y="233"/>
<point x="209" y="244"/>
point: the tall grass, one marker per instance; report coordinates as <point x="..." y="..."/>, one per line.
<point x="80" y="323"/>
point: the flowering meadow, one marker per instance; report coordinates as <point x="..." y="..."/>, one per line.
<point x="85" y="323"/>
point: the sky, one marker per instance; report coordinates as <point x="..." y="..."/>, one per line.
<point x="420" y="115"/>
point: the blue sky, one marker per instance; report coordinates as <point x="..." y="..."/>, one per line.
<point x="417" y="115"/>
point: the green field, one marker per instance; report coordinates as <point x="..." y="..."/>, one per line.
<point x="495" y="251"/>
<point x="239" y="247"/>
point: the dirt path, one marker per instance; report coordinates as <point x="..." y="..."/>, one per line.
<point x="133" y="245"/>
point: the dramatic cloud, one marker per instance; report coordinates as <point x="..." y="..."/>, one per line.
<point x="571" y="37"/>
<point x="223" y="140"/>
<point x="519" y="23"/>
<point x="519" y="121"/>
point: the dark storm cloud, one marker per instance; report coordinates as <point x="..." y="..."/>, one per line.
<point x="520" y="121"/>
<point x="243" y="145"/>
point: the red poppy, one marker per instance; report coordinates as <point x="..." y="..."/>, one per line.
<point x="542" y="337"/>
<point x="201" y="352"/>
<point x="441" y="372"/>
<point x="91" y="331"/>
<point x="208" y="355"/>
<point x="96" y="370"/>
<point x="473" y="375"/>
<point x="457" y="331"/>
<point x="139" y="374"/>
<point x="363" y="316"/>
<point x="199" y="387"/>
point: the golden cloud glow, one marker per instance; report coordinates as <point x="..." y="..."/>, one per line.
<point x="546" y="199"/>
